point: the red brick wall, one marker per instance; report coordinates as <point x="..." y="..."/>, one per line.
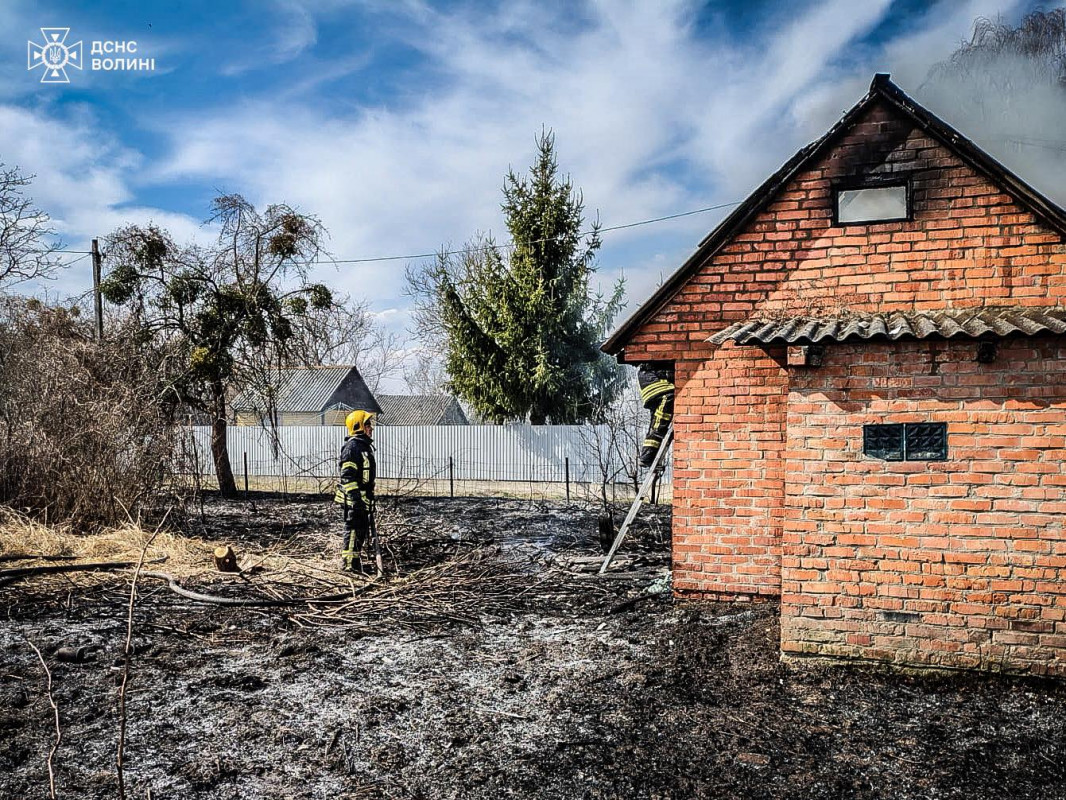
<point x="968" y="244"/>
<point x="728" y="484"/>
<point x="948" y="563"/>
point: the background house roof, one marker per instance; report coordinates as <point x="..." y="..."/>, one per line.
<point x="306" y="389"/>
<point x="970" y="323"/>
<point x="420" y="409"/>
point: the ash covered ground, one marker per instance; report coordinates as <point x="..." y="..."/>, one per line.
<point x="570" y="687"/>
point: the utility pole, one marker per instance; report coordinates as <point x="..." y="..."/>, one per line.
<point x="97" y="299"/>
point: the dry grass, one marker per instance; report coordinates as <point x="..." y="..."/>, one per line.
<point x="22" y="536"/>
<point x="186" y="557"/>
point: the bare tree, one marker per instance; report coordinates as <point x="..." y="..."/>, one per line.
<point x="1038" y="43"/>
<point x="348" y="332"/>
<point x="382" y="357"/>
<point x="424" y="372"/>
<point x="24" y="228"/>
<point x="614" y="445"/>
<point x="1006" y="88"/>
<point x="227" y="311"/>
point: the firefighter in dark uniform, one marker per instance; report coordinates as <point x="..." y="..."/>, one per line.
<point x="657" y="394"/>
<point x="355" y="491"/>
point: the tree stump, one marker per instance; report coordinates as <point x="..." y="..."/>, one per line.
<point x="606" y="531"/>
<point x="225" y="559"/>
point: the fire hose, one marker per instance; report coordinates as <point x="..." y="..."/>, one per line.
<point x="8" y="575"/>
<point x="177" y="588"/>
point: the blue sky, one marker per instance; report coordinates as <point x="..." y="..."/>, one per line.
<point x="394" y="122"/>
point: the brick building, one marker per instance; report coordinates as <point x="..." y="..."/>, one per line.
<point x="870" y="422"/>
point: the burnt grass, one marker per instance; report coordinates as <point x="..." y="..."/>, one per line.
<point x="583" y="687"/>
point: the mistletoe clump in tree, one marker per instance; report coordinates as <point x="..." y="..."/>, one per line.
<point x="517" y="327"/>
<point x="221" y="318"/>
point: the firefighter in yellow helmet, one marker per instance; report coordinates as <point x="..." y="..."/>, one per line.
<point x="355" y="491"/>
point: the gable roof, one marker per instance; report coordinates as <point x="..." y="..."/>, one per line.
<point x="881" y="90"/>
<point x="314" y="389"/>
<point x="420" y="409"/>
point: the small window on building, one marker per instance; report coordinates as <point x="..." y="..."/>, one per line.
<point x="914" y="441"/>
<point x="875" y="204"/>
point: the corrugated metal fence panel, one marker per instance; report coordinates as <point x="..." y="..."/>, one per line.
<point x="487" y="452"/>
<point x="472" y="452"/>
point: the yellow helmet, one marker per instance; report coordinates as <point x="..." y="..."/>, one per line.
<point x="357" y="421"/>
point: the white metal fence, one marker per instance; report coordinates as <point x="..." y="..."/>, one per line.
<point x="550" y="453"/>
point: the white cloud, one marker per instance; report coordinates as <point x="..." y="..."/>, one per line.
<point x="649" y="119"/>
<point x="294" y="32"/>
<point x="81" y="179"/>
<point x="652" y="117"/>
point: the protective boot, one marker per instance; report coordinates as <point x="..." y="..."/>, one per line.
<point x="350" y="554"/>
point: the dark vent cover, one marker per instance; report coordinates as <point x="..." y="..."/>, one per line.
<point x="926" y="441"/>
<point x="913" y="441"/>
<point x="883" y="441"/>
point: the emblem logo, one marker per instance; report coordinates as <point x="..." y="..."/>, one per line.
<point x="55" y="55"/>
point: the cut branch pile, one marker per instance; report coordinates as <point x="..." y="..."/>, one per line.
<point x="458" y="591"/>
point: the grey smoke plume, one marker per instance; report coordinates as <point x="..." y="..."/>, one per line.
<point x="1006" y="90"/>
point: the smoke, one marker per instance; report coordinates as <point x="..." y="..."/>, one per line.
<point x="1006" y="90"/>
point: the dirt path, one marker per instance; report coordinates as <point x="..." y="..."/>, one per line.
<point x="553" y="696"/>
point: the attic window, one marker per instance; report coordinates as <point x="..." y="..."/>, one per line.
<point x="871" y="204"/>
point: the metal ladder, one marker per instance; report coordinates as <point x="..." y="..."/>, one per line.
<point x="638" y="501"/>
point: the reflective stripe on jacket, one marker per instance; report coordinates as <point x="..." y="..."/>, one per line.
<point x="358" y="471"/>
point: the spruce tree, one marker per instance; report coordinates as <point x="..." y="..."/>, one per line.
<point x="517" y="327"/>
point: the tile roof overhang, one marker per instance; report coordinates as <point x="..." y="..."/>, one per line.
<point x="970" y="323"/>
<point x="882" y="89"/>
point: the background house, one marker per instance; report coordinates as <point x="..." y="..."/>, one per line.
<point x="870" y="422"/>
<point x="420" y="409"/>
<point x="309" y="396"/>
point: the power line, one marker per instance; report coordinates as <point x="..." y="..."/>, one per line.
<point x="1047" y="144"/>
<point x="537" y="241"/>
<point x="86" y="253"/>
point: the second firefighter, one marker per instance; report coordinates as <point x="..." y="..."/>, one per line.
<point x="355" y="491"/>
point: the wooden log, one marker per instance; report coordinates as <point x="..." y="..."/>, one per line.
<point x="226" y="559"/>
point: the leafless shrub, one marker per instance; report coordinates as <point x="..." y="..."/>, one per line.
<point x="83" y="437"/>
<point x="613" y="446"/>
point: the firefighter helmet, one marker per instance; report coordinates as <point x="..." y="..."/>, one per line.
<point x="357" y="421"/>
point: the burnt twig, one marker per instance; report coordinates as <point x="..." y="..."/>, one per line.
<point x="59" y="730"/>
<point x="127" y="651"/>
